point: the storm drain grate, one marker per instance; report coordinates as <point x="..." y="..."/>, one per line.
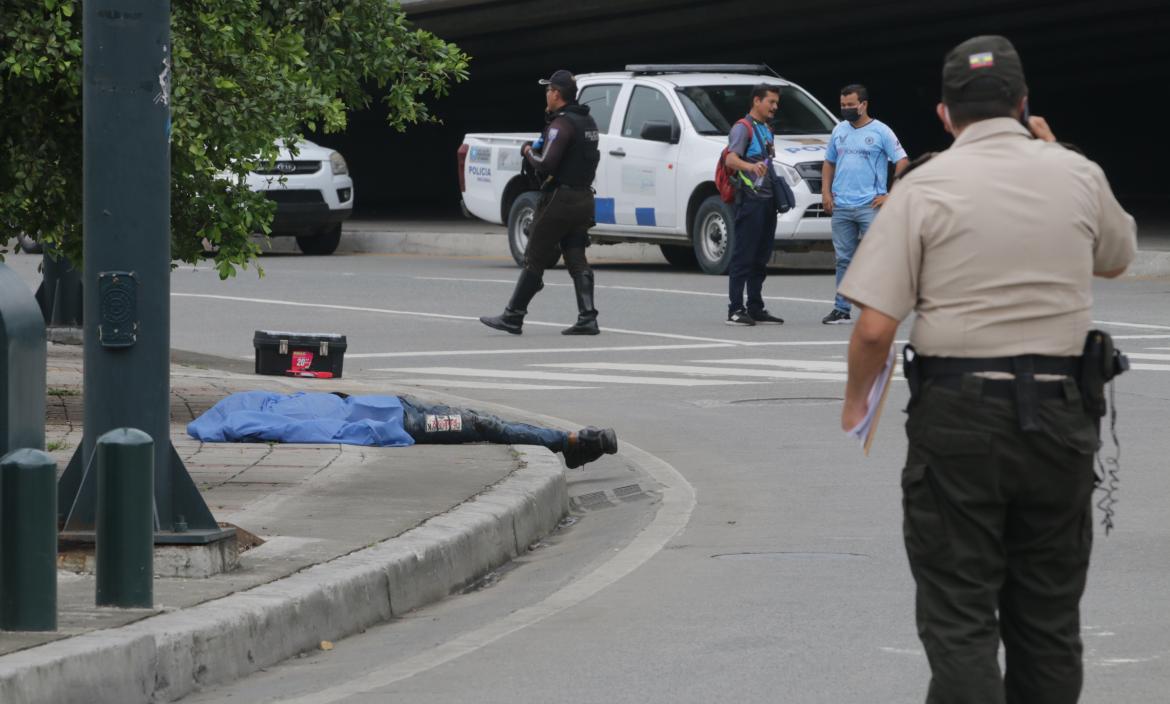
<point x="624" y="491"/>
<point x="593" y="500"/>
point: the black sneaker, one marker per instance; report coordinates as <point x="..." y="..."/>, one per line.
<point x="587" y="444"/>
<point x="837" y="317"/>
<point x="740" y="317"/>
<point x="764" y="317"/>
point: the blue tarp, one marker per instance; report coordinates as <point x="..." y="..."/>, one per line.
<point x="262" y="416"/>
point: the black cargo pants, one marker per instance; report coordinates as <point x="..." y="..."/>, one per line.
<point x="561" y="225"/>
<point x="999" y="521"/>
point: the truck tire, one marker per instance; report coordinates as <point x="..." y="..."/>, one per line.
<point x="323" y="243"/>
<point x="519" y="221"/>
<point x="679" y="255"/>
<point x="712" y="234"/>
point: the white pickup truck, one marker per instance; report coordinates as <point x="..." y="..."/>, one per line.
<point x="662" y="130"/>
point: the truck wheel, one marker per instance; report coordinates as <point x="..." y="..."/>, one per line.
<point x="714" y="231"/>
<point x="519" y="222"/>
<point x="678" y="255"/>
<point x="322" y="243"/>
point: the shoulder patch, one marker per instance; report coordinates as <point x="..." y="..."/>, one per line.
<point x="915" y="163"/>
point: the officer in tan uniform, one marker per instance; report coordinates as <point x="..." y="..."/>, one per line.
<point x="993" y="243"/>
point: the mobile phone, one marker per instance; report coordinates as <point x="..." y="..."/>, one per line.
<point x="1025" y="114"/>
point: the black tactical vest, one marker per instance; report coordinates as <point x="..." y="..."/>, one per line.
<point x="579" y="164"/>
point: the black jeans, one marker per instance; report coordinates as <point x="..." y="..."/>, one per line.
<point x="437" y="424"/>
<point x="561" y="224"/>
<point x="751" y="248"/>
<point x="998" y="521"/>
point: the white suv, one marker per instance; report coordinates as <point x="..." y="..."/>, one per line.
<point x="662" y="130"/>
<point x="313" y="194"/>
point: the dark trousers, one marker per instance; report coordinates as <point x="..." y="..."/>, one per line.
<point x="751" y="248"/>
<point x="561" y="224"/>
<point x="437" y="424"/>
<point x="999" y="521"/>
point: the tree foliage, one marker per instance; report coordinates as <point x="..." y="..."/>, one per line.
<point x="246" y="73"/>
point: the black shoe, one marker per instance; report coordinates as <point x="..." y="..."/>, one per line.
<point x="764" y="317"/>
<point x="837" y="317"/>
<point x="586" y="314"/>
<point x="587" y="444"/>
<point x="740" y="317"/>
<point x="510" y="321"/>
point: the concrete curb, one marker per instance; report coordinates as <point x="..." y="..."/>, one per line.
<point x="167" y="656"/>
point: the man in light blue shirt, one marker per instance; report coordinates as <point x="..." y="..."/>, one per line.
<point x="854" y="177"/>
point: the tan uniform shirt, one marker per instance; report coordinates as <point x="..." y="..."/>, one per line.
<point x="994" y="243"/>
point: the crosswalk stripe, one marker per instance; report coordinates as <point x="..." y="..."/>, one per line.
<point x="1151" y="367"/>
<point x="1152" y="357"/>
<point x="502" y="386"/>
<point x="560" y="376"/>
<point x="807" y="365"/>
<point x="760" y="374"/>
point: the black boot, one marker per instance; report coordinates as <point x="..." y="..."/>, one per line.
<point x="512" y="319"/>
<point x="586" y="314"/>
<point x="587" y="444"/>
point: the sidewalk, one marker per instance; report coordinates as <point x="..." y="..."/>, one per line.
<point x="352" y="536"/>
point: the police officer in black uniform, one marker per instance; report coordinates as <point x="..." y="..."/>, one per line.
<point x="565" y="164"/>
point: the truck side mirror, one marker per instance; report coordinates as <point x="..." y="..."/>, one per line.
<point x="658" y="131"/>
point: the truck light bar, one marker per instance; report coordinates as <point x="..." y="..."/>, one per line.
<point x="646" y="69"/>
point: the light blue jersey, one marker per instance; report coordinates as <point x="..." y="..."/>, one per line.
<point x="861" y="157"/>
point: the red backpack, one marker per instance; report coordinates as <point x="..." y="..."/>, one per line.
<point x="723" y="174"/>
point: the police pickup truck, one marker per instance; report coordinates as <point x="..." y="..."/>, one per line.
<point x="663" y="128"/>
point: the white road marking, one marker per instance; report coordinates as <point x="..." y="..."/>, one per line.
<point x="761" y="374"/>
<point x="438" y="316"/>
<point x="468" y="384"/>
<point x="1152" y="357"/>
<point x="1150" y="367"/>
<point x="644" y="289"/>
<point x="560" y="376"/>
<point x="802" y="364"/>
<point x="1131" y="325"/>
<point x="538" y="350"/>
<point x="678" y="502"/>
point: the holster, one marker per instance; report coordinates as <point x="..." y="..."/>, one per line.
<point x="1100" y="363"/>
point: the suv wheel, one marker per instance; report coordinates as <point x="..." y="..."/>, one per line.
<point x="325" y="242"/>
<point x="713" y="232"/>
<point x="520" y="219"/>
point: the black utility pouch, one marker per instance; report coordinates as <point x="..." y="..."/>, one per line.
<point x="1100" y="363"/>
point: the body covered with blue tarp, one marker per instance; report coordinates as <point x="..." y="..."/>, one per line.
<point x="264" y="416"/>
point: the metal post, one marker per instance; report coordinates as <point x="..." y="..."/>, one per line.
<point x="125" y="524"/>
<point x="28" y="541"/>
<point x="126" y="93"/>
<point x="22" y="366"/>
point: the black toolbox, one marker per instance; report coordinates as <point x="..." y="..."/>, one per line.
<point x="309" y="354"/>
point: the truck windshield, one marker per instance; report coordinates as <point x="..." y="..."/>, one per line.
<point x="714" y="109"/>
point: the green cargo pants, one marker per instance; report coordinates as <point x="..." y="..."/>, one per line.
<point x="999" y="521"/>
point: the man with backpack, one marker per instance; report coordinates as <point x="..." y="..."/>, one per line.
<point x="748" y="160"/>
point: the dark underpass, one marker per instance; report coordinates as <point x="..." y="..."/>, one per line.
<point x="1096" y="70"/>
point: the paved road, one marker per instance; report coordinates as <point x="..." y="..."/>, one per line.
<point x="787" y="583"/>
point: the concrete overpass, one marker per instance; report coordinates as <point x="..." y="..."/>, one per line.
<point x="1093" y="67"/>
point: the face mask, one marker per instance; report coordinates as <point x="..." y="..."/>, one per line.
<point x="850" y="114"/>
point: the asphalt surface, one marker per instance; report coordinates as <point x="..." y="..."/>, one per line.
<point x="788" y="582"/>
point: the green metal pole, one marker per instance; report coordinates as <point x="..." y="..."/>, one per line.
<point x="28" y="541"/>
<point x="125" y="519"/>
<point x="126" y="179"/>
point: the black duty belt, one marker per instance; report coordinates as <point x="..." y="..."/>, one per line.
<point x="1024" y="389"/>
<point x="1025" y="363"/>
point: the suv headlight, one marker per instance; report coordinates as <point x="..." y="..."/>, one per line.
<point x="791" y="175"/>
<point x="337" y="161"/>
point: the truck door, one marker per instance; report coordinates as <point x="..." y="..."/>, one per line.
<point x="602" y="98"/>
<point x="642" y="163"/>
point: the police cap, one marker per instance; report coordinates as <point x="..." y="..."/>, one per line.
<point x="564" y="82"/>
<point x="983" y="68"/>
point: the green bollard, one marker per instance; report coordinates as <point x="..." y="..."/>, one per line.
<point x="28" y="541"/>
<point x="125" y="519"/>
